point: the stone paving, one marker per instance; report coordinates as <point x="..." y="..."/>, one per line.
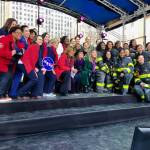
<point x="110" y="137"/>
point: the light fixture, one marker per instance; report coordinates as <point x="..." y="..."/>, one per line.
<point x="80" y="19"/>
<point x="103" y="35"/>
<point x="81" y="35"/>
<point x="41" y="1"/>
<point x="40" y="21"/>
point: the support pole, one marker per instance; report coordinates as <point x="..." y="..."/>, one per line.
<point x="144" y="28"/>
<point x="123" y="30"/>
<point x="77" y="26"/>
<point x="38" y="18"/>
<point x="123" y="33"/>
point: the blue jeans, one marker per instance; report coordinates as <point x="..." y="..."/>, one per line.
<point x="37" y="89"/>
<point x="15" y="84"/>
<point x="31" y="82"/>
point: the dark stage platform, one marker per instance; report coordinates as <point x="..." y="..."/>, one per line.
<point x="72" y="100"/>
<point x="19" y="118"/>
<point x="110" y="137"/>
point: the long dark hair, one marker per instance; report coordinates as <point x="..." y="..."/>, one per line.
<point x="130" y="43"/>
<point x="104" y="57"/>
<point x="147" y="44"/>
<point x="108" y="43"/>
<point x="116" y="43"/>
<point x="62" y="39"/>
<point x="44" y="35"/>
<point x="8" y="23"/>
<point x="99" y="47"/>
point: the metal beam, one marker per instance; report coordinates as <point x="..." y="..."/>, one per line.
<point x="112" y="7"/>
<point x="137" y="13"/>
<point x="62" y="2"/>
<point x="128" y="18"/>
<point x="139" y="3"/>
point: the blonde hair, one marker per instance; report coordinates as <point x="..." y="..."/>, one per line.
<point x="54" y="40"/>
<point x="90" y="55"/>
<point x="69" y="48"/>
<point x="35" y="39"/>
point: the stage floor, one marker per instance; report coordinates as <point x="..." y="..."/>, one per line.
<point x="69" y="96"/>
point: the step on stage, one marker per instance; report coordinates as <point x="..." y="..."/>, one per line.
<point x="19" y="118"/>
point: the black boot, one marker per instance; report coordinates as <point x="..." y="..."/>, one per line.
<point x="86" y="89"/>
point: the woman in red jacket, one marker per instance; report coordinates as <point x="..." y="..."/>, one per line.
<point x="8" y="54"/>
<point x="63" y="70"/>
<point x="50" y="76"/>
<point x="65" y="43"/>
<point x="31" y="65"/>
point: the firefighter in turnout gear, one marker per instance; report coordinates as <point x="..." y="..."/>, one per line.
<point x="141" y="51"/>
<point x="109" y="61"/>
<point x="101" y="69"/>
<point x="123" y="72"/>
<point x="142" y="79"/>
<point x="103" y="73"/>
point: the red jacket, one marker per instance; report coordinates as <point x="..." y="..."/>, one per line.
<point x="64" y="64"/>
<point x="7" y="44"/>
<point x="30" y="57"/>
<point x="30" y="41"/>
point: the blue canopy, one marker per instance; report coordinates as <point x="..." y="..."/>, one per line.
<point x="95" y="11"/>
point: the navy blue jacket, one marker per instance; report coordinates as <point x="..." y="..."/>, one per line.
<point x="3" y="32"/>
<point x="23" y="40"/>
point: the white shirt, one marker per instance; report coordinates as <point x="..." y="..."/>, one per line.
<point x="59" y="49"/>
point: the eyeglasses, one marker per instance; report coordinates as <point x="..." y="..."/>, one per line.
<point x="19" y="33"/>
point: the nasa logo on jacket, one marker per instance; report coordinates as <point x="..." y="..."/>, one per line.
<point x="48" y="63"/>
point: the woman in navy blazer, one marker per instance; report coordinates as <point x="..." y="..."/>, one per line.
<point x="10" y="22"/>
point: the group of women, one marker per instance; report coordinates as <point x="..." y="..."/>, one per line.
<point x="106" y="68"/>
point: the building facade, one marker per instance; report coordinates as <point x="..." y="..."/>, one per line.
<point x="56" y="23"/>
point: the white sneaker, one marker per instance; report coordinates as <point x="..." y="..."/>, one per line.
<point x="49" y="95"/>
<point x="6" y="99"/>
<point x="45" y="94"/>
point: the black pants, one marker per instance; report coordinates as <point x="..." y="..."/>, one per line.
<point x="65" y="81"/>
<point x="76" y="83"/>
<point x="49" y="83"/>
<point x="5" y="83"/>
